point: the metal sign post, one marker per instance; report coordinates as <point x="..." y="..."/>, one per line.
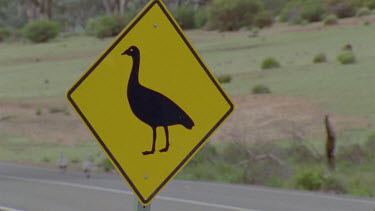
<point x="139" y="207"/>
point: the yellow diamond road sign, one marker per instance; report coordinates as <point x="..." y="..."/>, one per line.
<point x="150" y="101"/>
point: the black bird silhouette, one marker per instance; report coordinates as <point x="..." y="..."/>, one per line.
<point x="151" y="107"/>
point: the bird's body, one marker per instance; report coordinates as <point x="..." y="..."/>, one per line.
<point x="62" y="163"/>
<point x="87" y="166"/>
<point x="152" y="107"/>
<point x="155" y="109"/>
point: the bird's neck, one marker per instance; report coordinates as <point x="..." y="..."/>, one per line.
<point x="134" y="76"/>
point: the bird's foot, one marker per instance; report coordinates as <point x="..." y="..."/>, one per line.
<point x="148" y="152"/>
<point x="165" y="149"/>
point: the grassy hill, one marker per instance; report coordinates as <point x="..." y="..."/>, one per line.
<point x="36" y="122"/>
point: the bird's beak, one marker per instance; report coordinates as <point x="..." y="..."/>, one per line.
<point x="125" y="53"/>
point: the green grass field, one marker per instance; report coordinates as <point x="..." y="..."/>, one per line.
<point x="344" y="89"/>
<point x="347" y="89"/>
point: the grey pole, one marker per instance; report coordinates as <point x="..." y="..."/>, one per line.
<point x="139" y="207"/>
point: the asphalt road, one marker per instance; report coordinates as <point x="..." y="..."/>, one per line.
<point x="30" y="188"/>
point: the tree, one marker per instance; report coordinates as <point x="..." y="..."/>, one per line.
<point x="36" y="9"/>
<point x="12" y="13"/>
<point x="330" y="144"/>
<point x="117" y="6"/>
<point x="76" y="12"/>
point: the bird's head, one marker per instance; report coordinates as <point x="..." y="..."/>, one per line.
<point x="132" y="51"/>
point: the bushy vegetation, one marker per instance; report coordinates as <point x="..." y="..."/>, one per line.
<point x="274" y="6"/>
<point x="261" y="89"/>
<point x="315" y="180"/>
<point x="332" y="183"/>
<point x="45" y="159"/>
<point x="370" y="143"/>
<point x="312" y="11"/>
<point x="299" y="11"/>
<point x="107" y="165"/>
<point x="309" y="180"/>
<point x="370" y="4"/>
<point x="346" y="57"/>
<point x="296" y="11"/>
<point x="232" y="15"/>
<point x="240" y="163"/>
<point x="5" y="33"/>
<point x="270" y="63"/>
<point x="200" y="18"/>
<point x="233" y="163"/>
<point x="38" y="111"/>
<point x="320" y="58"/>
<point x="107" y="25"/>
<point x="263" y="19"/>
<point x="41" y="30"/>
<point x="364" y="11"/>
<point x="185" y="17"/>
<point x="341" y="8"/>
<point x="352" y="153"/>
<point x="331" y="20"/>
<point x="226" y="78"/>
<point x="291" y="11"/>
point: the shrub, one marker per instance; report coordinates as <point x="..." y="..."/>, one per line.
<point x="263" y="19"/>
<point x="352" y="153"/>
<point x="300" y="153"/>
<point x="224" y="78"/>
<point x="275" y="6"/>
<point x="57" y="110"/>
<point x="207" y="154"/>
<point x="269" y="63"/>
<point x="261" y="89"/>
<point x="75" y="160"/>
<point x="295" y="11"/>
<point x="309" y="180"/>
<point x="232" y="153"/>
<point x="41" y="30"/>
<point x="369" y="147"/>
<point x="331" y="183"/>
<point x="107" y="165"/>
<point x="45" y="159"/>
<point x="200" y="18"/>
<point x="232" y="15"/>
<point x="320" y="58"/>
<point x="184" y="16"/>
<point x="370" y="4"/>
<point x="107" y="26"/>
<point x="341" y="8"/>
<point x="364" y="11"/>
<point x="370" y="143"/>
<point x="331" y="20"/>
<point x="291" y="11"/>
<point x="38" y="111"/>
<point x="5" y="33"/>
<point x="346" y="57"/>
<point x="312" y="11"/>
<point x="262" y="172"/>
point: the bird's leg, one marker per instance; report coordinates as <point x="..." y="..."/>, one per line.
<point x="153" y="143"/>
<point x="167" y="138"/>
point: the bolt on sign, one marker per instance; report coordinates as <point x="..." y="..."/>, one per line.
<point x="150" y="101"/>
